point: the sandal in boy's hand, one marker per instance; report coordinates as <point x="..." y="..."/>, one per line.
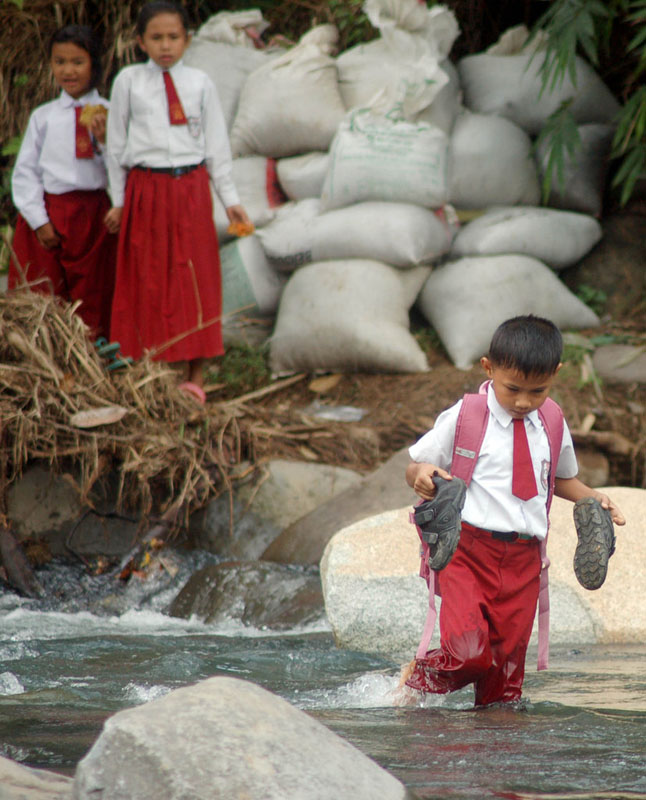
<point x="440" y="520"/>
<point x="596" y="542"/>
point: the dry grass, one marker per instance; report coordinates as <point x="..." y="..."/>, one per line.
<point x="170" y="455"/>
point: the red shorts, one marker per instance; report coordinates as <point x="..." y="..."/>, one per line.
<point x="489" y="594"/>
<point x="82" y="266"/>
<point x="168" y="294"/>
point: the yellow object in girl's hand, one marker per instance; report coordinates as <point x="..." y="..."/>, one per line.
<point x="241" y="228"/>
<point x="89" y="112"/>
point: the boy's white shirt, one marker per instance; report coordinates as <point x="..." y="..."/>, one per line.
<point x="489" y="503"/>
<point x="47" y="159"/>
<point x="139" y="131"/>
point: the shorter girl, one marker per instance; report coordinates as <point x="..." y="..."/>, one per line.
<point x="166" y="137"/>
<point x="61" y="244"/>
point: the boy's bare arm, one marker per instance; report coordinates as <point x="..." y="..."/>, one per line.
<point x="573" y="489"/>
<point x="420" y="477"/>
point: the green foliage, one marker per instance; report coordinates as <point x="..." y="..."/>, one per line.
<point x="560" y="135"/>
<point x="629" y="143"/>
<point x="586" y="27"/>
<point x="12" y="147"/>
<point x="594" y="298"/>
<point x="243" y="369"/>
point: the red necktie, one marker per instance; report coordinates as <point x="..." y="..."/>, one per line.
<point x="523" y="483"/>
<point x="84" y="147"/>
<point x="175" y="110"/>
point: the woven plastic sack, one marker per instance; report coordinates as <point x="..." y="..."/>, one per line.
<point x="228" y="66"/>
<point x="301" y="177"/>
<point x="375" y="158"/>
<point x="510" y="86"/>
<point x="250" y="285"/>
<point x="348" y="316"/>
<point x="399" y="234"/>
<point x="584" y="172"/>
<point x="260" y="194"/>
<point x="466" y="300"/>
<point x="491" y="163"/>
<point x="291" y="105"/>
<point x="557" y="238"/>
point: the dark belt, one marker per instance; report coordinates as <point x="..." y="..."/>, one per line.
<point x="510" y="536"/>
<point x="174" y="172"/>
<point x="502" y="536"/>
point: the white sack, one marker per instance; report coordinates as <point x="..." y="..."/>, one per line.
<point x="233" y="27"/>
<point x="291" y="105"/>
<point x="374" y="158"/>
<point x="250" y="285"/>
<point x="399" y="234"/>
<point x="368" y="69"/>
<point x="348" y="316"/>
<point x="466" y="300"/>
<point x="557" y="238"/>
<point x="303" y="176"/>
<point x="257" y="184"/>
<point x="228" y="66"/>
<point x="510" y="86"/>
<point x="436" y="27"/>
<point x="584" y="172"/>
<point x="491" y="163"/>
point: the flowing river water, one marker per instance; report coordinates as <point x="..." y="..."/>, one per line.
<point x="92" y="649"/>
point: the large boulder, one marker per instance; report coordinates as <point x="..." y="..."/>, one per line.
<point x="24" y="783"/>
<point x="226" y="738"/>
<point x="376" y="602"/>
<point x="305" y="539"/>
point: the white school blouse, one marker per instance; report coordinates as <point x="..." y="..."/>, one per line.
<point x="139" y="131"/>
<point x="489" y="503"/>
<point x="47" y="159"/>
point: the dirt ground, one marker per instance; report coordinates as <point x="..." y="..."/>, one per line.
<point x="399" y="408"/>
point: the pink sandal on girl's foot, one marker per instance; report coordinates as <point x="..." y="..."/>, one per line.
<point x="193" y="390"/>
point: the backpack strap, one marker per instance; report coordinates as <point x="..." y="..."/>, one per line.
<point x="469" y="433"/>
<point x="551" y="416"/>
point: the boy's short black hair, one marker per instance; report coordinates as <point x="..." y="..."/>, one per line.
<point x="151" y="10"/>
<point x="82" y="36"/>
<point x="531" y="345"/>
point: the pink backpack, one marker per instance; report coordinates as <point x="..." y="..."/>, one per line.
<point x="469" y="434"/>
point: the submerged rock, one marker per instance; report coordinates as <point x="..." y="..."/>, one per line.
<point x="255" y="593"/>
<point x="226" y="738"/>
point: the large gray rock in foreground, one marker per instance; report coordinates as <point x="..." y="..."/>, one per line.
<point x="226" y="738"/>
<point x="375" y="601"/>
<point x="305" y="539"/>
<point x="24" y="783"/>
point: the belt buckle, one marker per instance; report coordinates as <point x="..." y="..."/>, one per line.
<point x="504" y="536"/>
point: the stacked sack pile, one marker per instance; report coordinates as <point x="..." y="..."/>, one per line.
<point x="356" y="168"/>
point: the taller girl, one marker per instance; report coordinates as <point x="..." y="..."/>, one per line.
<point x="166" y="137"/>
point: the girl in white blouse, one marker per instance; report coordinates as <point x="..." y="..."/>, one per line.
<point x="61" y="244"/>
<point x="166" y="138"/>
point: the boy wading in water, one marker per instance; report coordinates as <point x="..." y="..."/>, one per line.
<point x="490" y="586"/>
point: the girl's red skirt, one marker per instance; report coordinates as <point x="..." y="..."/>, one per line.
<point x="82" y="267"/>
<point x="168" y="291"/>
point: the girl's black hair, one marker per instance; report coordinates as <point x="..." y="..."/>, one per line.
<point x="151" y="10"/>
<point x="82" y="36"/>
<point x="531" y="345"/>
